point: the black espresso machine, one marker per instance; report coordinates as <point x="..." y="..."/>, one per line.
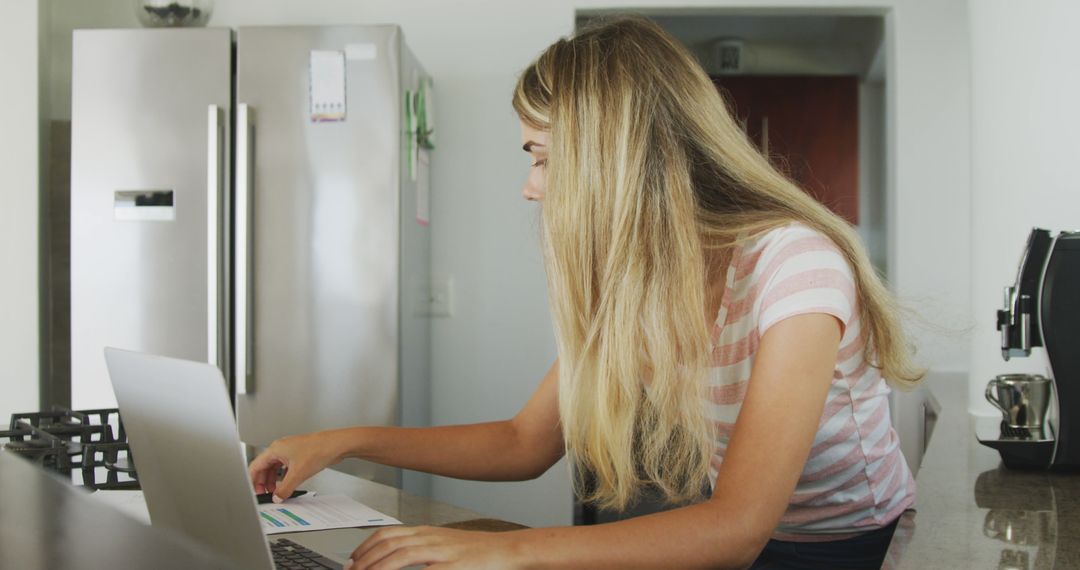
<point x="1043" y="309"/>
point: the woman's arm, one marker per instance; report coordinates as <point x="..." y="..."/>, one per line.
<point x="779" y="417"/>
<point x="520" y="448"/>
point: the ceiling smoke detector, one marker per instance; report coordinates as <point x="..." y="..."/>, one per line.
<point x="729" y="56"/>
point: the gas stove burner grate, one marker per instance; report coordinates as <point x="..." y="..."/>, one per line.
<point x="84" y="426"/>
<point x="87" y="446"/>
<point x="114" y="461"/>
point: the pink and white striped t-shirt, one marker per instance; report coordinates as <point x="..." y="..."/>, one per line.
<point x="855" y="479"/>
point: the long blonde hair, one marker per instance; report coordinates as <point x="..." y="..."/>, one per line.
<point x="648" y="180"/>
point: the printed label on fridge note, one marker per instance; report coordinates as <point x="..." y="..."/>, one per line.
<point x="423" y="188"/>
<point x="327" y="86"/>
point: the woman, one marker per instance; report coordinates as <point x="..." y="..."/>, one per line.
<point x="692" y="285"/>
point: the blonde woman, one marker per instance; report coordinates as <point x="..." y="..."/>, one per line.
<point x="714" y="323"/>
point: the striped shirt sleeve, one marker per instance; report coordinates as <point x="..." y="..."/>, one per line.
<point x="801" y="271"/>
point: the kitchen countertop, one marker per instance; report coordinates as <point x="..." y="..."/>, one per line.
<point x="408" y="508"/>
<point x="47" y="523"/>
<point x="971" y="512"/>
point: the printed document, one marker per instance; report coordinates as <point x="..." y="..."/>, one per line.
<point x="320" y="512"/>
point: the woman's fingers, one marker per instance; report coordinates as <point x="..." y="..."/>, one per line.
<point x="263" y="472"/>
<point x="379" y="544"/>
<point x="301" y="456"/>
<point x="394" y="548"/>
<point x="402" y="558"/>
<point x="294" y="475"/>
<point x="378" y="539"/>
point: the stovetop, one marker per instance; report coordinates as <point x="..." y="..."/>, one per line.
<point x="87" y="446"/>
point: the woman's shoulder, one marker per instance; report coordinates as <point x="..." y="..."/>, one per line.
<point x="788" y="233"/>
<point x="798" y="269"/>
<point x="777" y="244"/>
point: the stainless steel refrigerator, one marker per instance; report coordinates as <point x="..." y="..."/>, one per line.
<point x="255" y="198"/>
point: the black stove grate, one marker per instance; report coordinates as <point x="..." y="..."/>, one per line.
<point x="89" y="447"/>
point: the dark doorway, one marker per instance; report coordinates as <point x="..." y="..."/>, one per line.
<point x="808" y="126"/>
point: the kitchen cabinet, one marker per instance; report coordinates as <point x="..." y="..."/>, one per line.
<point x="914" y="416"/>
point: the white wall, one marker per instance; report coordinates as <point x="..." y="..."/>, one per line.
<point x="19" y="208"/>
<point x="488" y="357"/>
<point x="929" y="179"/>
<point x="1025" y="118"/>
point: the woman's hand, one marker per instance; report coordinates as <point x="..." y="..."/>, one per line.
<point x="301" y="455"/>
<point x="393" y="548"/>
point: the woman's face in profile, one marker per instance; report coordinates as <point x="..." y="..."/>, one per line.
<point x="536" y="144"/>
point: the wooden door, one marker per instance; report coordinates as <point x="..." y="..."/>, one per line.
<point x="808" y="126"/>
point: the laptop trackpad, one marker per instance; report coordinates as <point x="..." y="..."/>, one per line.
<point x="336" y="544"/>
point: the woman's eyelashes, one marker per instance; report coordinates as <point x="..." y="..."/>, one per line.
<point x="541" y="162"/>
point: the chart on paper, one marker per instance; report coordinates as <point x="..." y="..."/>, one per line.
<point x="319" y="513"/>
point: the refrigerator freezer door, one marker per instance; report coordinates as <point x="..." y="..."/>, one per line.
<point x="415" y="354"/>
<point x="324" y="234"/>
<point x="143" y="183"/>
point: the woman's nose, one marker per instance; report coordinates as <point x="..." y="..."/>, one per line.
<point x="530" y="194"/>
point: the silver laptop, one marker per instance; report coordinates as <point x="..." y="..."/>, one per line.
<point x="189" y="459"/>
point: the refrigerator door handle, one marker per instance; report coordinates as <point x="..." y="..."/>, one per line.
<point x="214" y="297"/>
<point x="245" y="130"/>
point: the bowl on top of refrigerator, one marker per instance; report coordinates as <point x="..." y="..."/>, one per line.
<point x="173" y="13"/>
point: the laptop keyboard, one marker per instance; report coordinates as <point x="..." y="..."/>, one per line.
<point x="291" y="556"/>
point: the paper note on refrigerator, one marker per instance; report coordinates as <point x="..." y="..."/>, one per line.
<point x="423" y="188"/>
<point x="327" y="86"/>
<point x="365" y="51"/>
<point x="320" y="512"/>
